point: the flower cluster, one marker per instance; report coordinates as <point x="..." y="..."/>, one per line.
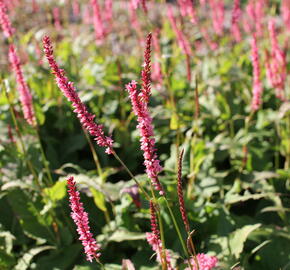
<point x="218" y="14"/>
<point x="156" y="246"/>
<point x="254" y="21"/>
<point x="285" y="11"/>
<point x="146" y="71"/>
<point x="145" y="126"/>
<point x="98" y="22"/>
<point x="4" y="21"/>
<point x="24" y="93"/>
<point x="68" y="89"/>
<point x="276" y="65"/>
<point x="180" y="194"/>
<point x="156" y="70"/>
<point x="236" y="13"/>
<point x="205" y="262"/>
<point x="182" y="41"/>
<point x="80" y="218"/>
<point x="187" y="8"/>
<point x="257" y="85"/>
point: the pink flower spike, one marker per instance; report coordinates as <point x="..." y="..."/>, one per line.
<point x="146" y="71"/>
<point x="236" y="13"/>
<point x="69" y="91"/>
<point x="109" y="10"/>
<point x="76" y="8"/>
<point x="144" y="6"/>
<point x="156" y="245"/>
<point x="276" y="64"/>
<point x="4" y="21"/>
<point x="285" y="11"/>
<point x="24" y="93"/>
<point x="257" y="85"/>
<point x="218" y="14"/>
<point x="182" y="41"/>
<point x="56" y="18"/>
<point x="98" y="22"/>
<point x="80" y="218"/>
<point x="145" y="127"/>
<point x="205" y="262"/>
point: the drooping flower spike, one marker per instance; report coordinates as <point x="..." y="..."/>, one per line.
<point x="69" y="91"/>
<point x="80" y="218"/>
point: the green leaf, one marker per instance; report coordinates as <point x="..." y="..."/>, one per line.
<point x="40" y="116"/>
<point x="239" y="237"/>
<point x="6" y="261"/>
<point x="235" y="198"/>
<point x="99" y="199"/>
<point x="174" y="122"/>
<point x="121" y="235"/>
<point x="62" y="258"/>
<point x="25" y="260"/>
<point x="8" y="239"/>
<point x="28" y="213"/>
<point x="57" y="191"/>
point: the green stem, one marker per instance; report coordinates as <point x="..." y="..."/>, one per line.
<point x="176" y="227"/>
<point x="94" y="154"/>
<point x="44" y="159"/>
<point x="163" y="252"/>
<point x="29" y="165"/>
<point x="132" y="176"/>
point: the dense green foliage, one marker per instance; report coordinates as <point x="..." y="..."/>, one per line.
<point x="236" y="164"/>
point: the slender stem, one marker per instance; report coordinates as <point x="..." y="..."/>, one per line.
<point x="29" y="164"/>
<point x="133" y="177"/>
<point x="287" y="161"/>
<point x="163" y="252"/>
<point x="94" y="154"/>
<point x="176" y="227"/>
<point x="44" y="159"/>
<point x="245" y="149"/>
<point x="99" y="262"/>
<point x="99" y="169"/>
<point x="193" y="250"/>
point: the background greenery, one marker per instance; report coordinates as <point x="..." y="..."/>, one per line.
<point x="238" y="207"/>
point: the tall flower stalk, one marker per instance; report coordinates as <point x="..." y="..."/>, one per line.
<point x="80" y="218"/>
<point x="98" y="21"/>
<point x="236" y="13"/>
<point x="182" y="40"/>
<point x="139" y="100"/>
<point x="69" y="91"/>
<point x="276" y="64"/>
<point x="186" y="8"/>
<point x="180" y="194"/>
<point x="22" y="87"/>
<point x="217" y="14"/>
<point x="285" y="11"/>
<point x="156" y="70"/>
<point x="154" y="240"/>
<point x="257" y="84"/>
<point x="145" y="127"/>
<point x="4" y="21"/>
<point x="24" y="93"/>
